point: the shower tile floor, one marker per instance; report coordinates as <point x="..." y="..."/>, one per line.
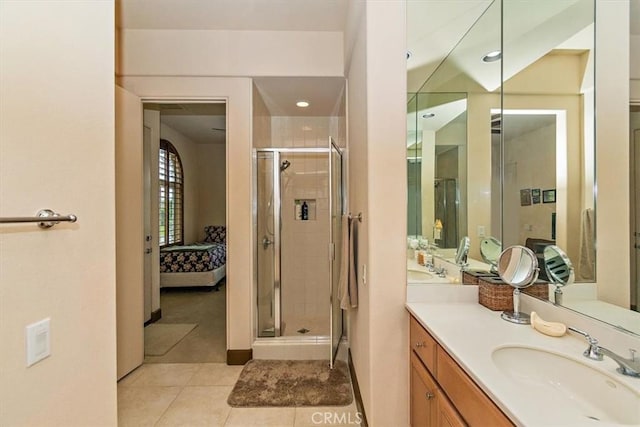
<point x="316" y="326"/>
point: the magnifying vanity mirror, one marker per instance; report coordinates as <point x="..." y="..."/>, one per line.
<point x="463" y="251"/>
<point x="517" y="266"/>
<point x="490" y="249"/>
<point x="559" y="270"/>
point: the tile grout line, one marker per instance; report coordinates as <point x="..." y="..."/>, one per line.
<point x="168" y="406"/>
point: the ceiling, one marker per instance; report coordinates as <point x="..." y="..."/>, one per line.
<point x="435" y="27"/>
<point x="203" y="123"/>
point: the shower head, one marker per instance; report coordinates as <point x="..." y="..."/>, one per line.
<point x="284" y="165"/>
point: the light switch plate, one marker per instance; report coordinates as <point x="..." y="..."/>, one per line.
<point x="38" y="341"/>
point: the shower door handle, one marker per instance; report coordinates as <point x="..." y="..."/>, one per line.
<point x="266" y="242"/>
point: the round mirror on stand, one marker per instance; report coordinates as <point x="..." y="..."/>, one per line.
<point x="559" y="270"/>
<point x="517" y="266"/>
<point x="490" y="249"/>
<point x="463" y="251"/>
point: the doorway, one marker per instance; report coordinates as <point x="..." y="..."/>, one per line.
<point x="634" y="135"/>
<point x="185" y="232"/>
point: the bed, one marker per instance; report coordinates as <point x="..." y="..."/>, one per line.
<point x="199" y="264"/>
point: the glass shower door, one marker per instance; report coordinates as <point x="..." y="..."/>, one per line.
<point x="267" y="204"/>
<point x="336" y="210"/>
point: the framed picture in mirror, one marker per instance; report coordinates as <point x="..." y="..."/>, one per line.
<point x="549" y="196"/>
<point x="525" y="197"/>
<point x="535" y="195"/>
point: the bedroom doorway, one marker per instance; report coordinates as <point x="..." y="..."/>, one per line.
<point x="184" y="232"/>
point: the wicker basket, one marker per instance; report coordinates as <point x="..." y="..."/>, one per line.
<point x="498" y="296"/>
<point x="471" y="277"/>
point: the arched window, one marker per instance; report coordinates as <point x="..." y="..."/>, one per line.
<point x="171" y="201"/>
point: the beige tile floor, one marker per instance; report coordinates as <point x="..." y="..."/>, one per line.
<point x="195" y="394"/>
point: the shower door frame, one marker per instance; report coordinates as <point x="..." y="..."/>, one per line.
<point x="277" y="208"/>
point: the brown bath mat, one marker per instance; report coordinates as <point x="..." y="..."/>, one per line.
<point x="292" y="383"/>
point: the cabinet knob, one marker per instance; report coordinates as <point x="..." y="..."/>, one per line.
<point x="420" y="344"/>
<point x="429" y="395"/>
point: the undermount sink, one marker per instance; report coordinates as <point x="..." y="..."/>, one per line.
<point x="579" y="392"/>
<point x="421" y="276"/>
<point x="418" y="275"/>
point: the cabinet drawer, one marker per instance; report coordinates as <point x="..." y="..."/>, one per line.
<point x="470" y="401"/>
<point x="423" y="345"/>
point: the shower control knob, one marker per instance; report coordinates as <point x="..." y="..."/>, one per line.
<point x="266" y="242"/>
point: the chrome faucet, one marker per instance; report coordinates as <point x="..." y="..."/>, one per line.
<point x="629" y="367"/>
<point x="441" y="272"/>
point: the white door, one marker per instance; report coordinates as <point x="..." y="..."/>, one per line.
<point x="129" y="232"/>
<point x="148" y="234"/>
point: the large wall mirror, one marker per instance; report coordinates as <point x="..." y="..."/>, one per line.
<point x="501" y="129"/>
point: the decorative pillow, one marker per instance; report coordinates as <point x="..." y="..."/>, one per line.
<point x="215" y="234"/>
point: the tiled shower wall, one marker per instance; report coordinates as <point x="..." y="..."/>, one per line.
<point x="305" y="261"/>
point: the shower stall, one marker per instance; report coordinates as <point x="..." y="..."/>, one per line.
<point x="298" y="209"/>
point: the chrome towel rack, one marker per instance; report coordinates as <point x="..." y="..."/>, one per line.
<point x="46" y="218"/>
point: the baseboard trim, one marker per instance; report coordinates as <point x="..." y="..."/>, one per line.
<point x="239" y="357"/>
<point x="356" y="392"/>
<point x="155" y="316"/>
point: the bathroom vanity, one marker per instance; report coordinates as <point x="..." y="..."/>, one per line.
<point x="441" y="392"/>
<point x="473" y="368"/>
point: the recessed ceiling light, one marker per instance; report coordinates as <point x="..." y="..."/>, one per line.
<point x="302" y="104"/>
<point x="428" y="115"/>
<point x="492" y="56"/>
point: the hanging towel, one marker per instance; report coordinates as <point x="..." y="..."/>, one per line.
<point x="586" y="265"/>
<point x="348" y="284"/>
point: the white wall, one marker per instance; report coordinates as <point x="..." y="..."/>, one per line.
<point x="635" y="68"/>
<point x="212" y="186"/>
<point x="57" y="152"/>
<point x="230" y="53"/>
<point x="612" y="151"/>
<point x="377" y="161"/>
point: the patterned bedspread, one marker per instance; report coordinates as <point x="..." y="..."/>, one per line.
<point x="193" y="258"/>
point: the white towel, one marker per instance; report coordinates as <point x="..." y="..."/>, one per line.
<point x="586" y="264"/>
<point x="343" y="283"/>
<point x="348" y="283"/>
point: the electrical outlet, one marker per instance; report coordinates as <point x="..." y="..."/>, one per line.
<point x="481" y="231"/>
<point x="38" y="341"/>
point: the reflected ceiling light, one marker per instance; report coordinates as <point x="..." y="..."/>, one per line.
<point x="492" y="56"/>
<point x="428" y="115"/>
<point x="302" y="104"/>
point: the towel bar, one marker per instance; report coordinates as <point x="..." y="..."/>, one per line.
<point x="46" y="218"/>
<point x="358" y="217"/>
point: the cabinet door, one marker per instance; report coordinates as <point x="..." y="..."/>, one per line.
<point x="423" y="395"/>
<point x="447" y="414"/>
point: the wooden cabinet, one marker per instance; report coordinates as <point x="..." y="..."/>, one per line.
<point x="429" y="405"/>
<point x="442" y="394"/>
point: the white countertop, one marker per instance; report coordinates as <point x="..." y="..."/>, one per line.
<point x="470" y="332"/>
